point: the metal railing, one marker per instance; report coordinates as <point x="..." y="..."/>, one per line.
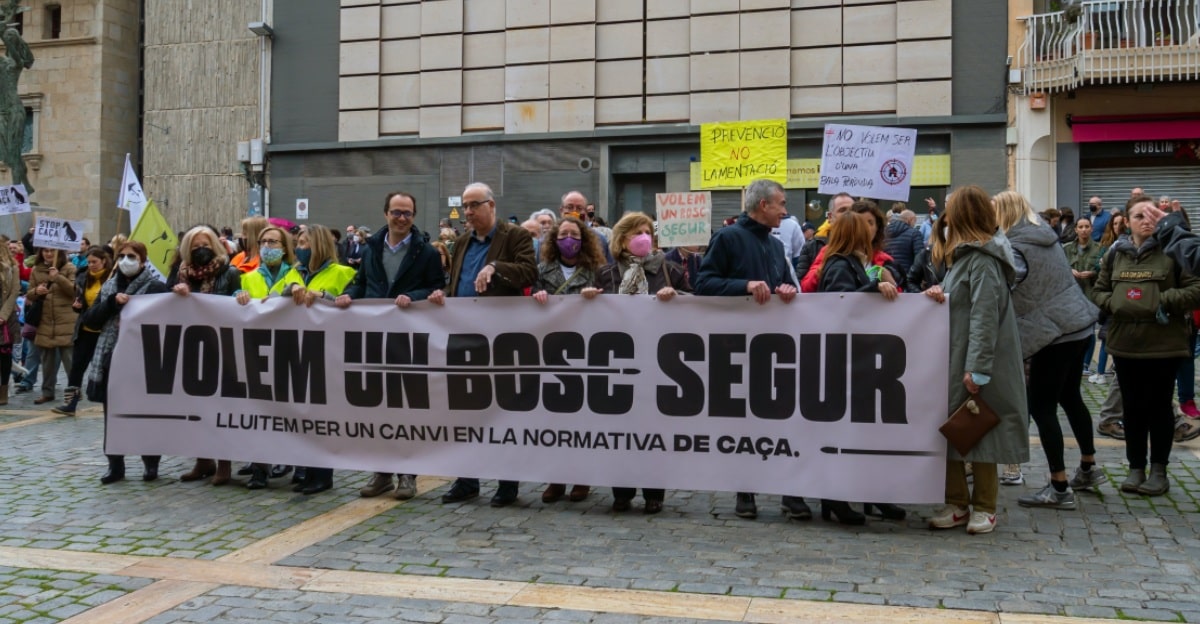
<point x="1111" y="41"/>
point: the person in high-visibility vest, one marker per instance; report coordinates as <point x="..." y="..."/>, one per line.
<point x="323" y="278"/>
<point x="276" y="270"/>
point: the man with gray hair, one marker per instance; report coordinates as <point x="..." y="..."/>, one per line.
<point x="742" y="259"/>
<point x="494" y="259"/>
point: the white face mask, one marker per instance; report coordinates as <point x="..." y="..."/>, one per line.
<point x="129" y="267"/>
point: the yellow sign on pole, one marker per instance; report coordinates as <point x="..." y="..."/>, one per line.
<point x="735" y="153"/>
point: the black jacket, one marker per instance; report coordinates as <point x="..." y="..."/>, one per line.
<point x="742" y="253"/>
<point x="808" y="256"/>
<point x="227" y="283"/>
<point x="923" y="273"/>
<point x="903" y="243"/>
<point x="420" y="273"/>
<point x="845" y="274"/>
<point x="608" y="278"/>
<point x="1179" y="242"/>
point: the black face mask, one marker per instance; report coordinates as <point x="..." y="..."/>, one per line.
<point x="202" y="256"/>
<point x="1094" y="207"/>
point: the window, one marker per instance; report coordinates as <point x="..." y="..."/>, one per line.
<point x="53" y="24"/>
<point x="27" y="140"/>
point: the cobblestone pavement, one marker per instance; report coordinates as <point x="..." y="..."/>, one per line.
<point x="75" y="551"/>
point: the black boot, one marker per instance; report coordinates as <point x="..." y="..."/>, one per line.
<point x="842" y="512"/>
<point x="258" y="477"/>
<point x="116" y="470"/>
<point x="319" y="480"/>
<point x="887" y="511"/>
<point x="150" y="467"/>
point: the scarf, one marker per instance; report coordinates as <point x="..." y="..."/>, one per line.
<point x="108" y="334"/>
<point x="205" y="275"/>
<point x="270" y="279"/>
<point x="633" y="272"/>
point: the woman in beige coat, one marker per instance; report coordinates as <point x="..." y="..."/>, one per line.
<point x="53" y="283"/>
<point x="10" y="287"/>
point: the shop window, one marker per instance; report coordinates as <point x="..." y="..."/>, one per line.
<point x="53" y="23"/>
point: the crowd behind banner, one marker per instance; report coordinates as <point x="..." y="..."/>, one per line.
<point x="998" y="266"/>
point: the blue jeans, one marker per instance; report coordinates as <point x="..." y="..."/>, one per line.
<point x="1090" y="351"/>
<point x="33" y="361"/>
<point x="1103" y="357"/>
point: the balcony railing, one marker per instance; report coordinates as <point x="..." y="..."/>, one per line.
<point x="1111" y="41"/>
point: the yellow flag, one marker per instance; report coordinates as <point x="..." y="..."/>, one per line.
<point x="153" y="231"/>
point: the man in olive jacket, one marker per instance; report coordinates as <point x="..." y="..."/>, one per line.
<point x="494" y="259"/>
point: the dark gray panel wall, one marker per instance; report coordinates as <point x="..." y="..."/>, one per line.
<point x="977" y="157"/>
<point x="1067" y="174"/>
<point x="304" y="72"/>
<point x="979" y="49"/>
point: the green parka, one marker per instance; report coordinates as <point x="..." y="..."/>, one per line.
<point x="1149" y="299"/>
<point x="1084" y="259"/>
<point x="984" y="340"/>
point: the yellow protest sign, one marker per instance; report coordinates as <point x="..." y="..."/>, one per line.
<point x="156" y="234"/>
<point x="735" y="153"/>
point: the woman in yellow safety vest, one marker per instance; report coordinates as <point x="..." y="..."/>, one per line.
<point x="276" y="270"/>
<point x="323" y="278"/>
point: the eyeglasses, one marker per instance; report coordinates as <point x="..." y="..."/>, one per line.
<point x="270" y="241"/>
<point x="401" y="214"/>
<point x="575" y="209"/>
<point x="472" y="205"/>
<point x="128" y="257"/>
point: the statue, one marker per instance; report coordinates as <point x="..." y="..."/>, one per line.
<point x="12" y="110"/>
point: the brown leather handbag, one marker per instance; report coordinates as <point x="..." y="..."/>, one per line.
<point x="969" y="423"/>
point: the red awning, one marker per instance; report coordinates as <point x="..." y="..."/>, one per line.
<point x="1094" y="128"/>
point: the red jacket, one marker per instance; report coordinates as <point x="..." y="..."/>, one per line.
<point x="812" y="279"/>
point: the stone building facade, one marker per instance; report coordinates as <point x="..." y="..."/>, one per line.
<point x="82" y="96"/>
<point x="536" y="97"/>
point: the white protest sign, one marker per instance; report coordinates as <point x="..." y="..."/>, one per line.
<point x="684" y="218"/>
<point x="867" y="161"/>
<point x="834" y="395"/>
<point x="301" y="209"/>
<point x="54" y="233"/>
<point x="14" y="199"/>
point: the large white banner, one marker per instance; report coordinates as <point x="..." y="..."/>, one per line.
<point x="837" y="396"/>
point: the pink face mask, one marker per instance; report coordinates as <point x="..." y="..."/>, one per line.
<point x="641" y="245"/>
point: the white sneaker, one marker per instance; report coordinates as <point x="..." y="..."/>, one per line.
<point x="1101" y="379"/>
<point x="1092" y="378"/>
<point x="949" y="517"/>
<point x="1012" y="475"/>
<point x="981" y="522"/>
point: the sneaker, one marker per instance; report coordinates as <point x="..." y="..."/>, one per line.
<point x="1049" y="497"/>
<point x="1087" y="479"/>
<point x="949" y="517"/>
<point x="981" y="522"/>
<point x="1113" y="428"/>
<point x="406" y="488"/>
<point x="1188" y="408"/>
<point x="1012" y="475"/>
<point x="1100" y="379"/>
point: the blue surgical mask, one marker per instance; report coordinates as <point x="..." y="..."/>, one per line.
<point x="271" y="255"/>
<point x="303" y="256"/>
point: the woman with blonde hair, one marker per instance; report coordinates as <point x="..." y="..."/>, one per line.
<point x="639" y="268"/>
<point x="204" y="268"/>
<point x="323" y="278"/>
<point x="10" y="287"/>
<point x="247" y="260"/>
<point x="1054" y="320"/>
<point x="985" y="354"/>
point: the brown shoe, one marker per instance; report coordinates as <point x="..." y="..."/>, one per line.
<point x="43" y="399"/>
<point x="203" y="469"/>
<point x="224" y="472"/>
<point x="380" y="483"/>
<point x="578" y="493"/>
<point x="4" y="394"/>
<point x="553" y="492"/>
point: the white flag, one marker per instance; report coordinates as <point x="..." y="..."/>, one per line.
<point x="132" y="197"/>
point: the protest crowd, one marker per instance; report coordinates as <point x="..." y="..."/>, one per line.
<point x="1029" y="296"/>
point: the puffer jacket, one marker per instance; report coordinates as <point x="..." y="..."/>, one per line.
<point x="903" y="243"/>
<point x="1050" y="308"/>
<point x="57" y="326"/>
